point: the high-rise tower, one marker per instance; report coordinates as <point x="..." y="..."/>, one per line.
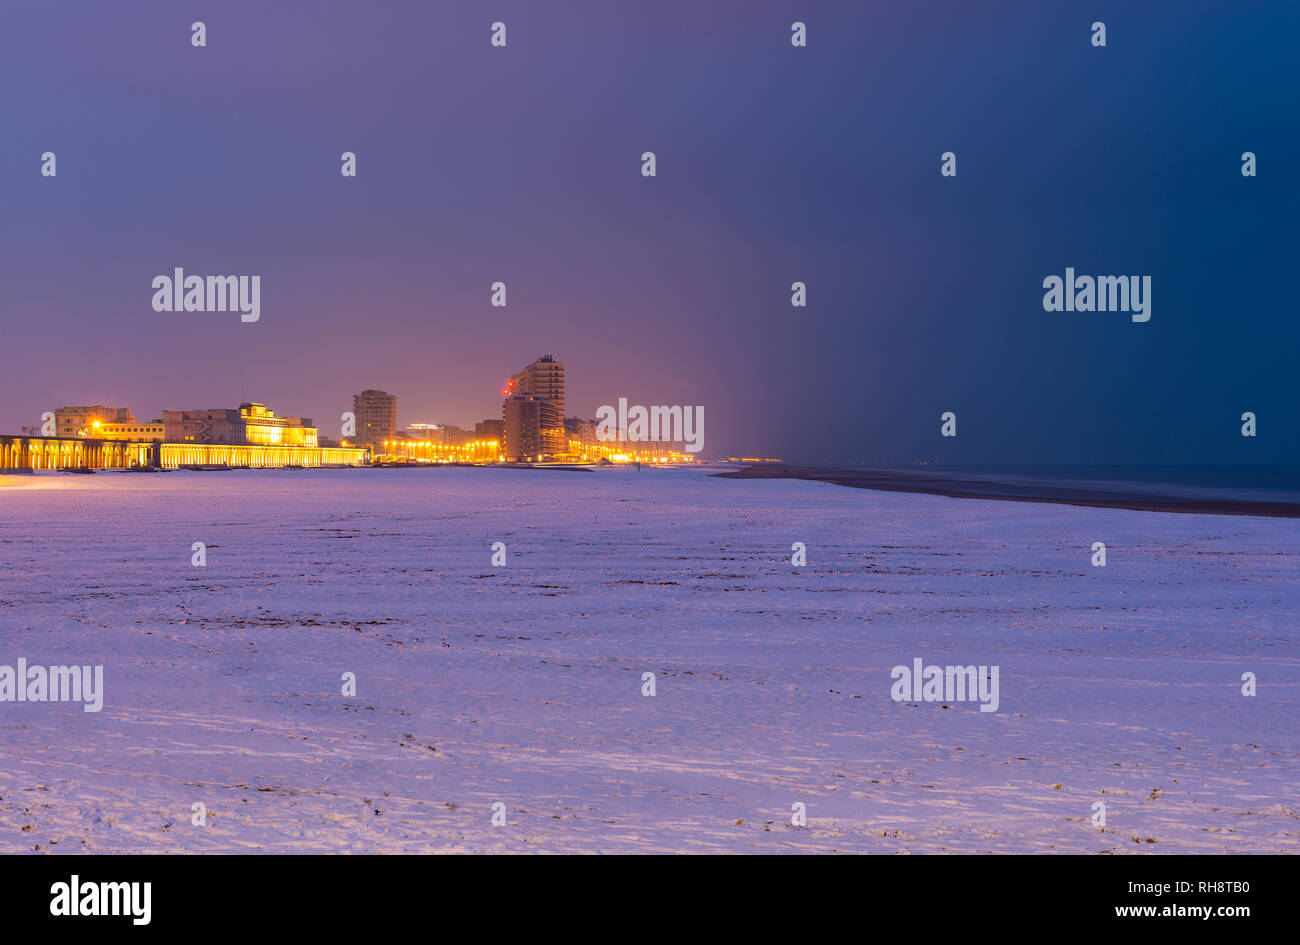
<point x="533" y="411"/>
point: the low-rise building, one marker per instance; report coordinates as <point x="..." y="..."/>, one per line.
<point x="251" y="425"/>
<point x="82" y="421"/>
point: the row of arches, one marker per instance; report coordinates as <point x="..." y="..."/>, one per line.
<point x="50" y="452"/>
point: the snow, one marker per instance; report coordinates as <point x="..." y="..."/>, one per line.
<point x="522" y="684"/>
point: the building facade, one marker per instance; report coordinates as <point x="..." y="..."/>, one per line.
<point x="251" y="425"/>
<point x="532" y="415"/>
<point x="83" y="421"/>
<point x="153" y="430"/>
<point x="440" y="434"/>
<point x="523" y="422"/>
<point x="376" y="413"/>
<point x="109" y="438"/>
<point x="254" y="456"/>
<point x="488" y="430"/>
<point x="543" y="378"/>
<point x="74" y="452"/>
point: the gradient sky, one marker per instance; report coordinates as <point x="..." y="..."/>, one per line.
<point x="775" y="164"/>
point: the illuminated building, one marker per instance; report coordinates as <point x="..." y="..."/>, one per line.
<point x="153" y="430"/>
<point x="585" y="446"/>
<point x="250" y="425"/>
<point x="543" y="378"/>
<point x="48" y="452"/>
<point x="524" y="416"/>
<point x="74" y="452"/>
<point x="376" y="413"/>
<point x="442" y="433"/>
<point x="580" y="431"/>
<point x="250" y="437"/>
<point x="80" y="421"/>
<point x="408" y="449"/>
<point x="254" y="456"/>
<point x="105" y="423"/>
<point x="454" y="436"/>
<point x="532" y="415"/>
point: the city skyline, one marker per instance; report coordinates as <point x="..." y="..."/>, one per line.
<point x="374" y="413"/>
<point x="533" y="428"/>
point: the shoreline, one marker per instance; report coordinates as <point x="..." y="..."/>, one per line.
<point x="1067" y="491"/>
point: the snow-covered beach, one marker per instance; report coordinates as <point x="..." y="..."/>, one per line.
<point x="522" y="684"/>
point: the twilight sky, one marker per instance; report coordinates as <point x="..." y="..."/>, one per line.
<point x="775" y="164"/>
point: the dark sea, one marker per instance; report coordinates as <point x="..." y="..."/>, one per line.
<point x="1270" y="483"/>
